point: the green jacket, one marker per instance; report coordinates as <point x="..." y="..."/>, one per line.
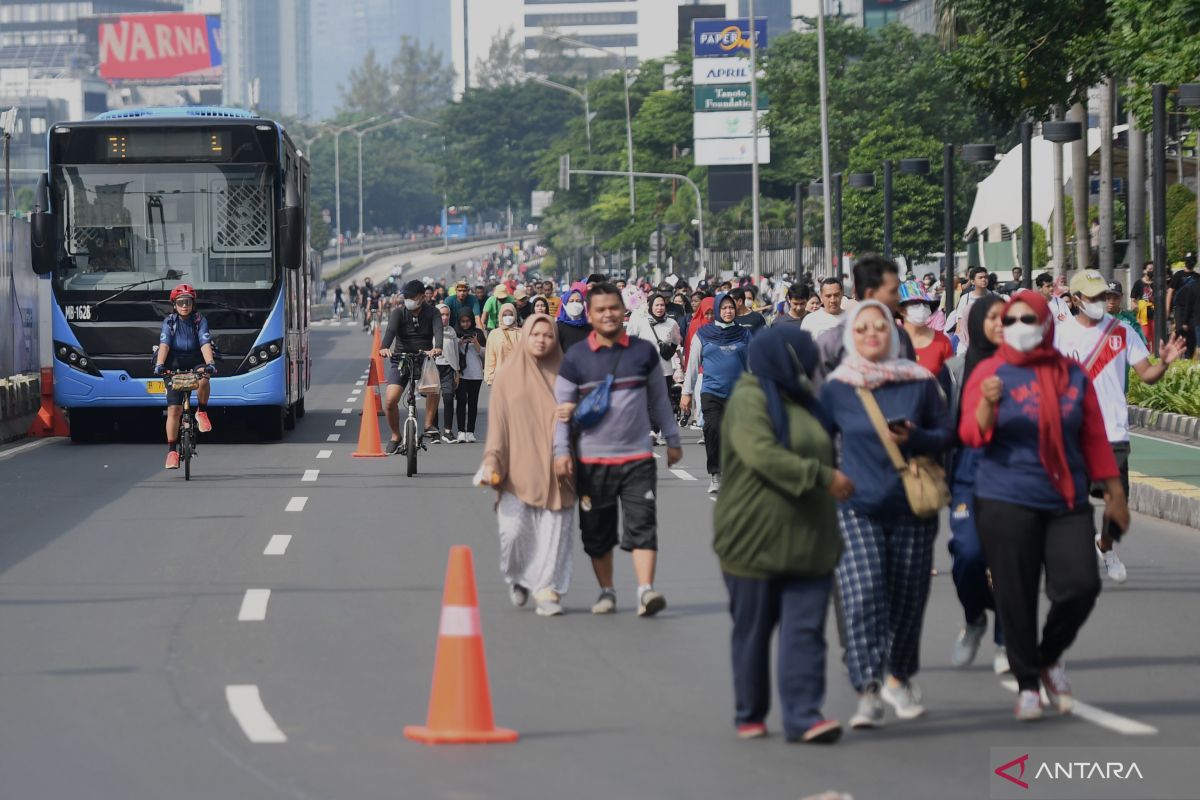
<point x="773" y="516"/>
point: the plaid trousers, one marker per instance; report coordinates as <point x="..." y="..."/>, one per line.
<point x="883" y="582"/>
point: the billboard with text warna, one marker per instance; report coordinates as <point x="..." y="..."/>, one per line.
<point x="159" y="45"/>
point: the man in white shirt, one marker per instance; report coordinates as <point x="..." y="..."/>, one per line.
<point x="1060" y="309"/>
<point x="830" y="313"/>
<point x="1107" y="348"/>
<point x="979" y="281"/>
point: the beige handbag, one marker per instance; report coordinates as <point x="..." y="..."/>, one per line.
<point x="923" y="477"/>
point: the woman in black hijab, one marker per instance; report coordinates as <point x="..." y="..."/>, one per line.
<point x="985" y="333"/>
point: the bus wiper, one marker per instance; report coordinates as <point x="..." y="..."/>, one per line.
<point x="172" y="275"/>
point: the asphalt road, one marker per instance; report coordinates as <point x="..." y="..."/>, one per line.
<point x="121" y="588"/>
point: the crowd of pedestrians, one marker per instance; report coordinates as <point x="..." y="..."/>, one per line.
<point x="838" y="421"/>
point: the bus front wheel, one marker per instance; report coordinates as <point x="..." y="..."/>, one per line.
<point x="271" y="424"/>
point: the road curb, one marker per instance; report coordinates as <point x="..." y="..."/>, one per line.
<point x="1166" y="499"/>
<point x="1165" y="422"/>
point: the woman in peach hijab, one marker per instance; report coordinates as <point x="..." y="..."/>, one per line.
<point x="535" y="509"/>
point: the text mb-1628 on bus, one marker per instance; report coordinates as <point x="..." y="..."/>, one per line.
<point x="137" y="201"/>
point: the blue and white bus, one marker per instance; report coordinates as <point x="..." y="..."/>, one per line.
<point x="137" y="201"/>
<point x="457" y="223"/>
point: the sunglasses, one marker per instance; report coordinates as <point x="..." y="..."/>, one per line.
<point x="879" y="326"/>
<point x="1028" y="319"/>
<point x="184" y="302"/>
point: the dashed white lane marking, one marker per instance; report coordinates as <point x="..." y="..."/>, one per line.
<point x="310" y="475"/>
<point x="351" y="399"/>
<point x="347" y="410"/>
<point x="683" y="475"/>
<point x="1097" y="716"/>
<point x="324" y="454"/>
<point x="333" y="437"/>
<point x="278" y="544"/>
<point x="254" y="605"/>
<point x="245" y="703"/>
<point x="339" y="423"/>
<point x="296" y="504"/>
<point x="712" y="497"/>
<point x="356" y="391"/>
<point x="360" y="383"/>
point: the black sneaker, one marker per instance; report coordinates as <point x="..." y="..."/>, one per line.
<point x="392" y="447"/>
<point x="433" y="435"/>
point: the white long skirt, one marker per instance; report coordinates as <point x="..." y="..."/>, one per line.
<point x="535" y="545"/>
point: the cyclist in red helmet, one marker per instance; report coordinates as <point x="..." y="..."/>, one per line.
<point x="184" y="343"/>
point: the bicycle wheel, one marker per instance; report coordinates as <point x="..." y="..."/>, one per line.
<point x="411" y="443"/>
<point x="185" y="445"/>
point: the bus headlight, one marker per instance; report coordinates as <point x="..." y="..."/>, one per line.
<point x="261" y="355"/>
<point x="75" y="358"/>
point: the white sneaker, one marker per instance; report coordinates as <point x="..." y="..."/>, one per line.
<point x="714" y="483"/>
<point x="1112" y="562"/>
<point x="1029" y="706"/>
<point x="471" y="437"/>
<point x="966" y="646"/>
<point x="518" y="594"/>
<point x="462" y="437"/>
<point x="870" y="709"/>
<point x="1000" y="664"/>
<point x="1058" y="688"/>
<point x="905" y="699"/>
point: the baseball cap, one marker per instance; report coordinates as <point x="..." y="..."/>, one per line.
<point x="1114" y="287"/>
<point x="500" y="292"/>
<point x="1089" y="283"/>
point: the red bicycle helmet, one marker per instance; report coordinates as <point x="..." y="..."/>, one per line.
<point x="182" y="290"/>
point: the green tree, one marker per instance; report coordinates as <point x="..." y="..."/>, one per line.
<point x="416" y="81"/>
<point x="505" y="63"/>
<point x="1153" y="42"/>
<point x="1181" y="233"/>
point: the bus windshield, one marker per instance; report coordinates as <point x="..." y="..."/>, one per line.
<point x="209" y="225"/>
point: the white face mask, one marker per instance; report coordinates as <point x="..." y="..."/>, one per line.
<point x="918" y="314"/>
<point x="411" y="305"/>
<point x="1092" y="309"/>
<point x="508" y="319"/>
<point x="1022" y="337"/>
<point x="574" y="309"/>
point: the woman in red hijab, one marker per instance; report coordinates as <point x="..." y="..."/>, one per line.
<point x="1035" y="414"/>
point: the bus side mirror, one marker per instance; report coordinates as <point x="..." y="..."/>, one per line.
<point x="41" y="241"/>
<point x="291" y="236"/>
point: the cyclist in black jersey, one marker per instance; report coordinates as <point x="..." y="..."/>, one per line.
<point x="414" y="327"/>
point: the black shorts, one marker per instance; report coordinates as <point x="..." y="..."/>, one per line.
<point x="398" y="374"/>
<point x="600" y="487"/>
<point x="179" y="363"/>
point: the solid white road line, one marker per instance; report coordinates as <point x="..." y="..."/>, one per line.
<point x="683" y="475"/>
<point x="296" y="504"/>
<point x="254" y="605"/>
<point x="1166" y="441"/>
<point x="339" y="423"/>
<point x="278" y="544"/>
<point x="324" y="454"/>
<point x="333" y="437"/>
<point x="347" y="410"/>
<point x="310" y="475"/>
<point x="24" y="448"/>
<point x="1097" y="716"/>
<point x="245" y="703"/>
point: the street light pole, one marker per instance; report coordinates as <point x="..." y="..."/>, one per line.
<point x="825" y="169"/>
<point x="445" y="167"/>
<point x="587" y="111"/>
<point x="337" y="178"/>
<point x="887" y="209"/>
<point x="948" y="226"/>
<point x="1158" y="217"/>
<point x="1027" y="203"/>
<point x="755" y="269"/>
<point x="360" y="135"/>
<point x="837" y="188"/>
<point x="624" y="55"/>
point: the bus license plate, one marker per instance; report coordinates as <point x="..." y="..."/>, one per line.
<point x="156" y="387"/>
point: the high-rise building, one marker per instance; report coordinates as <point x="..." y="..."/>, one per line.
<point x="268" y="55"/>
<point x="46" y="34"/>
<point x="343" y="31"/>
<point x="642" y="29"/>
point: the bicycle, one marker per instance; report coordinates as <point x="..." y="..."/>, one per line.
<point x="186" y="381"/>
<point x="411" y="438"/>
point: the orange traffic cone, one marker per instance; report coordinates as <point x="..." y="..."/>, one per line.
<point x="369" y="445"/>
<point x="49" y="420"/>
<point x="376" y="346"/>
<point x="376" y="373"/>
<point x="460" y="703"/>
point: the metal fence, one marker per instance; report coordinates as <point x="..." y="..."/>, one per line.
<point x="18" y="300"/>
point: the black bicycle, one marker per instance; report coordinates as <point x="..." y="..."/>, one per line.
<point x="410" y="439"/>
<point x="186" y="381"/>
